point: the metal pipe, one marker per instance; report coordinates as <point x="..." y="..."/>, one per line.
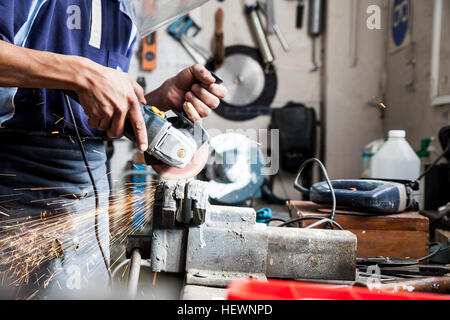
<point x="316" y="18"/>
<point x="260" y="35"/>
<point x="427" y="284"/>
<point x="273" y="25"/>
<point x="133" y="273"/>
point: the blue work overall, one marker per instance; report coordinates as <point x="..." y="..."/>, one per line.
<point x="42" y="173"/>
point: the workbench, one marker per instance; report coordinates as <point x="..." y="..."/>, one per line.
<point x="404" y="235"/>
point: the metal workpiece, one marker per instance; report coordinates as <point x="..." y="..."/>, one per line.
<point x="134" y="272"/>
<point x="311" y="254"/>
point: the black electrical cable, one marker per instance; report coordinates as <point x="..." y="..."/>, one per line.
<point x="323" y="220"/>
<point x="274" y="219"/>
<point x="306" y="191"/>
<point x="363" y="262"/>
<point x="94" y="187"/>
<point x="431" y="255"/>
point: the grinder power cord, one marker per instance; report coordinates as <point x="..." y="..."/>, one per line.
<point x="94" y="187"/>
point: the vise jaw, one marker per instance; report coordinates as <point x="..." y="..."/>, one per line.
<point x="214" y="245"/>
<point x="180" y="202"/>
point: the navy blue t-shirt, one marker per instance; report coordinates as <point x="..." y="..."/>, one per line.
<point x="100" y="30"/>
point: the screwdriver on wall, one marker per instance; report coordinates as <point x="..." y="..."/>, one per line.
<point x="272" y="27"/>
<point x="300" y="11"/>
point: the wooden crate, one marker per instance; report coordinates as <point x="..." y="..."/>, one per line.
<point x="404" y="235"/>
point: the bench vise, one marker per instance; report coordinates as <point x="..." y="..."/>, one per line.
<point x="214" y="245"/>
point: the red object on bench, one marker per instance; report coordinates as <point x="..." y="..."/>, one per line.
<point x="251" y="289"/>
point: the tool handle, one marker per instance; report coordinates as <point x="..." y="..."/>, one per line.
<point x="270" y="15"/>
<point x="259" y="34"/>
<point x="219" y="21"/>
<point x="219" y="49"/>
<point x="316" y="18"/>
<point x="191" y="112"/>
<point x="300" y="13"/>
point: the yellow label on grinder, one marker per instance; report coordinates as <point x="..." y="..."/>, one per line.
<point x="158" y="112"/>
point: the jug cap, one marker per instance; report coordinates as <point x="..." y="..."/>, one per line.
<point x="397" y="134"/>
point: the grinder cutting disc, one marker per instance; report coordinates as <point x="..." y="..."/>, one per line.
<point x="196" y="165"/>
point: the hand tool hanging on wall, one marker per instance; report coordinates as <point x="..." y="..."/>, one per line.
<point x="300" y="13"/>
<point x="260" y="37"/>
<point x="219" y="49"/>
<point x="315" y="27"/>
<point x="270" y="16"/>
<point x="179" y="31"/>
<point x="148" y="45"/>
<point x="272" y="27"/>
<point x="148" y="52"/>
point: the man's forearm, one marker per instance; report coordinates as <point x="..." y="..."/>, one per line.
<point x="27" y="68"/>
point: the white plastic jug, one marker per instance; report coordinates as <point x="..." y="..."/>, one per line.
<point x="396" y="159"/>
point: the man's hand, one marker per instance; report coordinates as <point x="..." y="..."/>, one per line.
<point x="108" y="97"/>
<point x="194" y="84"/>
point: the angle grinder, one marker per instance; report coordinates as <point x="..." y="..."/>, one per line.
<point x="178" y="148"/>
